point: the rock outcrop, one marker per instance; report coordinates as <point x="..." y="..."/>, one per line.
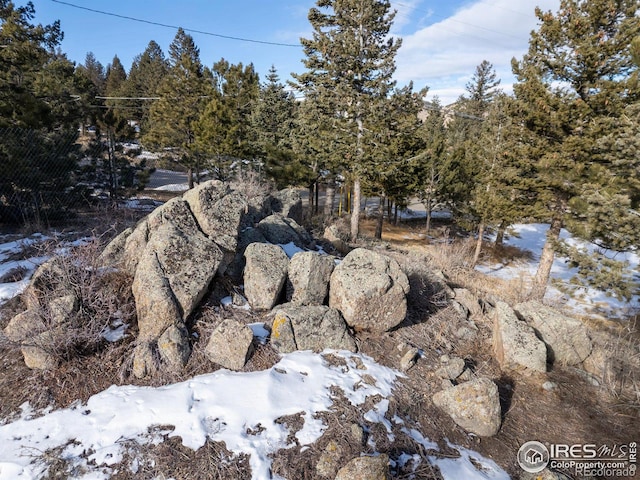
<point x="515" y="343"/>
<point x="370" y="290"/>
<point x="567" y="339"/>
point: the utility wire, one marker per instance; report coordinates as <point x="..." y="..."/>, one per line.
<point x="452" y="19"/>
<point x="134" y="19"/>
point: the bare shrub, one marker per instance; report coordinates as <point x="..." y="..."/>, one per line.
<point x="451" y="256"/>
<point x="103" y="303"/>
<point x="620" y="365"/>
<point x="251" y="184"/>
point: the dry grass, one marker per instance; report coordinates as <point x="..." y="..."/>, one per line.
<point x="575" y="412"/>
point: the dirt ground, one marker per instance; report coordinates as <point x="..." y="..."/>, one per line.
<point x="573" y="412"/>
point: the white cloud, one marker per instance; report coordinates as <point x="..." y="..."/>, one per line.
<point x="406" y="10"/>
<point x="444" y="55"/>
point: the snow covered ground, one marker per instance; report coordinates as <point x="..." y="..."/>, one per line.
<point x="239" y="409"/>
<point x="229" y="406"/>
<point x="222" y="406"/>
<point x="531" y="237"/>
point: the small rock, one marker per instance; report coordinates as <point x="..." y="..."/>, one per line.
<point x="473" y="405"/>
<point x="465" y="333"/>
<point x="549" y="386"/>
<point x="409" y="359"/>
<point x="357" y="433"/>
<point x="230" y="345"/>
<point x="327" y="465"/>
<point x="366" y="468"/>
<point x="452" y="369"/>
<point x="468" y="300"/>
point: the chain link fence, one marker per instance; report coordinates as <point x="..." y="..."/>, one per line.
<point x="49" y="177"/>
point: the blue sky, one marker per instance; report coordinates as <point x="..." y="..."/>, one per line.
<point x="443" y="41"/>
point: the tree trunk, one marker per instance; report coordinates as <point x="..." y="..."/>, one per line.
<point x="355" y="213"/>
<point x="543" y="273"/>
<point x="429" y="208"/>
<point x="190" y="177"/>
<point x="380" y="219"/>
<point x="329" y="199"/>
<point x="311" y="197"/>
<point x="317" y="193"/>
<point x="396" y="219"/>
<point x="476" y="255"/>
<point x="500" y="234"/>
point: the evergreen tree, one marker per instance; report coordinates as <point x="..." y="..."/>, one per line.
<point x="397" y="142"/>
<point x="574" y="84"/>
<point x="350" y="60"/>
<point x="147" y="72"/>
<point x="273" y="121"/>
<point x="482" y="89"/>
<point x="39" y="113"/>
<point x="428" y="167"/>
<point x="26" y="50"/>
<point x="223" y="129"/>
<point x="183" y="94"/>
<point x="95" y="72"/>
<point x="467" y="160"/>
<point x="501" y="179"/>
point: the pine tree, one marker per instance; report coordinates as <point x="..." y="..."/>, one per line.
<point x="427" y="168"/>
<point x="574" y="85"/>
<point x="38" y="116"/>
<point x="26" y="50"/>
<point x="350" y="60"/>
<point x="224" y="127"/>
<point x="94" y="71"/>
<point x="397" y="141"/>
<point x="183" y="94"/>
<point x="498" y="197"/>
<point x="482" y="89"/>
<point x="147" y="72"/>
<point x="272" y="122"/>
<point x="469" y="164"/>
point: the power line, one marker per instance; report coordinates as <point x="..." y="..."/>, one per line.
<point x="158" y="24"/>
<point x="452" y="19"/>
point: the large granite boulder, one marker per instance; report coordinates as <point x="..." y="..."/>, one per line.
<point x="317" y="327"/>
<point x="515" y="343"/>
<point x="218" y="211"/>
<point x="309" y="274"/>
<point x="281" y="230"/>
<point x="567" y="338"/>
<point x="370" y="290"/>
<point x="288" y="203"/>
<point x="265" y="274"/>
